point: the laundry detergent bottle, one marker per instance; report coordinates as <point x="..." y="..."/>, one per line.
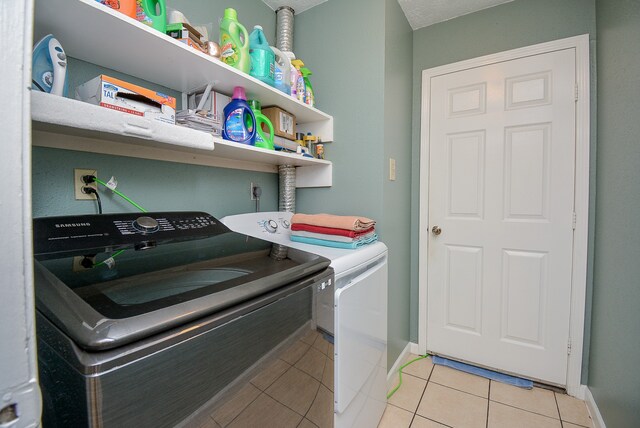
<point x="300" y="88"/>
<point x="234" y="42"/>
<point x="262" y="140"/>
<point x="239" y="120"/>
<point x="282" y="76"/>
<point x="262" y="57"/>
<point x="156" y="10"/>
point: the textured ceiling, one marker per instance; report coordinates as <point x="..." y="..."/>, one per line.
<point x="298" y="6"/>
<point x="420" y="13"/>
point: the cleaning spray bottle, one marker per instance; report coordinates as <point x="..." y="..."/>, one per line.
<point x="282" y="75"/>
<point x="300" y="88"/>
<point x="262" y="57"/>
<point x="309" y="97"/>
<point x="293" y="75"/>
<point x="234" y="42"/>
<point x="262" y="140"/>
<point x="239" y="121"/>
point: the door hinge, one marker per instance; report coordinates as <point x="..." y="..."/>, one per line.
<point x="576" y="93"/>
<point x="569" y="346"/>
<point x="574" y="221"/>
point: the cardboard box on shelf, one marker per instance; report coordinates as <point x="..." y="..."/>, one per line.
<point x="126" y="97"/>
<point x="284" y="123"/>
<point x="192" y="44"/>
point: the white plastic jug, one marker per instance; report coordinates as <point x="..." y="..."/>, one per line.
<point x="283" y="71"/>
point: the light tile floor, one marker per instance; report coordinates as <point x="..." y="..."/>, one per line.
<point x="436" y="396"/>
<point x="293" y="391"/>
<point x="296" y="391"/>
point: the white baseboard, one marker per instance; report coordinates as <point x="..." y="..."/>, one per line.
<point x="596" y="417"/>
<point x="578" y="392"/>
<point x="392" y="375"/>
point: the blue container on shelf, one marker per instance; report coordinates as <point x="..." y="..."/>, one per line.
<point x="239" y="121"/>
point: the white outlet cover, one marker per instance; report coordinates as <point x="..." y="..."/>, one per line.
<point x="78" y="184"/>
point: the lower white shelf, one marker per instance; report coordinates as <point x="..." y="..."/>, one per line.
<point x="73" y="125"/>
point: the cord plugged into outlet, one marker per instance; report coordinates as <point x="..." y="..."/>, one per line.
<point x="256" y="192"/>
<point x="81" y="182"/>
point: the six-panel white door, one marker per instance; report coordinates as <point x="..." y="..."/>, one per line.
<point x="501" y="190"/>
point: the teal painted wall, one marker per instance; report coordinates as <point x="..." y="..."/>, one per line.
<point x="614" y="376"/>
<point x="507" y="26"/>
<point x="360" y="53"/>
<point x="397" y="194"/>
<point x="348" y="80"/>
<point x="155" y="185"/>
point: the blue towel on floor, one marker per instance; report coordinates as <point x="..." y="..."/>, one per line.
<point x="489" y="374"/>
<point x="335" y="244"/>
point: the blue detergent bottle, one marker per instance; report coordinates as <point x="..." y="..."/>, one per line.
<point x="239" y="121"/>
<point x="262" y="57"/>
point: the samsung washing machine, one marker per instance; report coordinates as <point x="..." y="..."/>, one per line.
<point x="143" y="319"/>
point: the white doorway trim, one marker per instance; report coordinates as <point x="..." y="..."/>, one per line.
<point x="581" y="203"/>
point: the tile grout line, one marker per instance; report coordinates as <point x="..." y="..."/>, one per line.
<point x="460" y="390"/>
<point x="294" y="411"/>
<point x="305" y="419"/>
<point x="555" y="397"/>
<point x="316" y="396"/>
<point x="488" y="402"/>
<point x="275" y="380"/>
<point x="528" y="411"/>
<point x="241" y="411"/>
<point x="422" y="396"/>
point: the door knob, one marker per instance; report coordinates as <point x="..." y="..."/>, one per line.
<point x="436" y="230"/>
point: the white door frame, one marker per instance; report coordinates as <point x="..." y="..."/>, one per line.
<point x="18" y="358"/>
<point x="581" y="196"/>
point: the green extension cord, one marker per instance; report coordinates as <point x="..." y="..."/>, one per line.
<point x="116" y="254"/>
<point x="393" y="391"/>
<point x="121" y="195"/>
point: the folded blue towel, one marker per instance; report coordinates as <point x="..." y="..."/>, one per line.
<point x="479" y="371"/>
<point x="335" y="244"/>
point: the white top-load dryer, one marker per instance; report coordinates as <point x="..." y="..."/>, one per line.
<point x="353" y="309"/>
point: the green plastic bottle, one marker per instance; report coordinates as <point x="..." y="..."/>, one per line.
<point x="262" y="140"/>
<point x="156" y="10"/>
<point x="234" y="42"/>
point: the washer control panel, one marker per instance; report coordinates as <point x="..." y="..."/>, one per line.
<point x="75" y="233"/>
<point x="274" y="226"/>
<point x="279" y="226"/>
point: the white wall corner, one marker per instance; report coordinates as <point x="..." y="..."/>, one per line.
<point x="596" y="417"/>
<point x="392" y="375"/>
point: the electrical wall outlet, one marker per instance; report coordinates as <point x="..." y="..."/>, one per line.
<point x="252" y="192"/>
<point x="82" y="263"/>
<point x="78" y="184"/>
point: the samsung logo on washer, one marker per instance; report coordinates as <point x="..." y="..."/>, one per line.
<point x="59" y="225"/>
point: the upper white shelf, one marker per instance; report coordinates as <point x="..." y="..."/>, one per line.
<point x="95" y="33"/>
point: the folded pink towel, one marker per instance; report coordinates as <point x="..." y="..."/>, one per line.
<point x="330" y="230"/>
<point x="337" y="221"/>
<point x="336" y="238"/>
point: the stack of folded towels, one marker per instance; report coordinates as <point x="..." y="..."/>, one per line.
<point x="333" y="230"/>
